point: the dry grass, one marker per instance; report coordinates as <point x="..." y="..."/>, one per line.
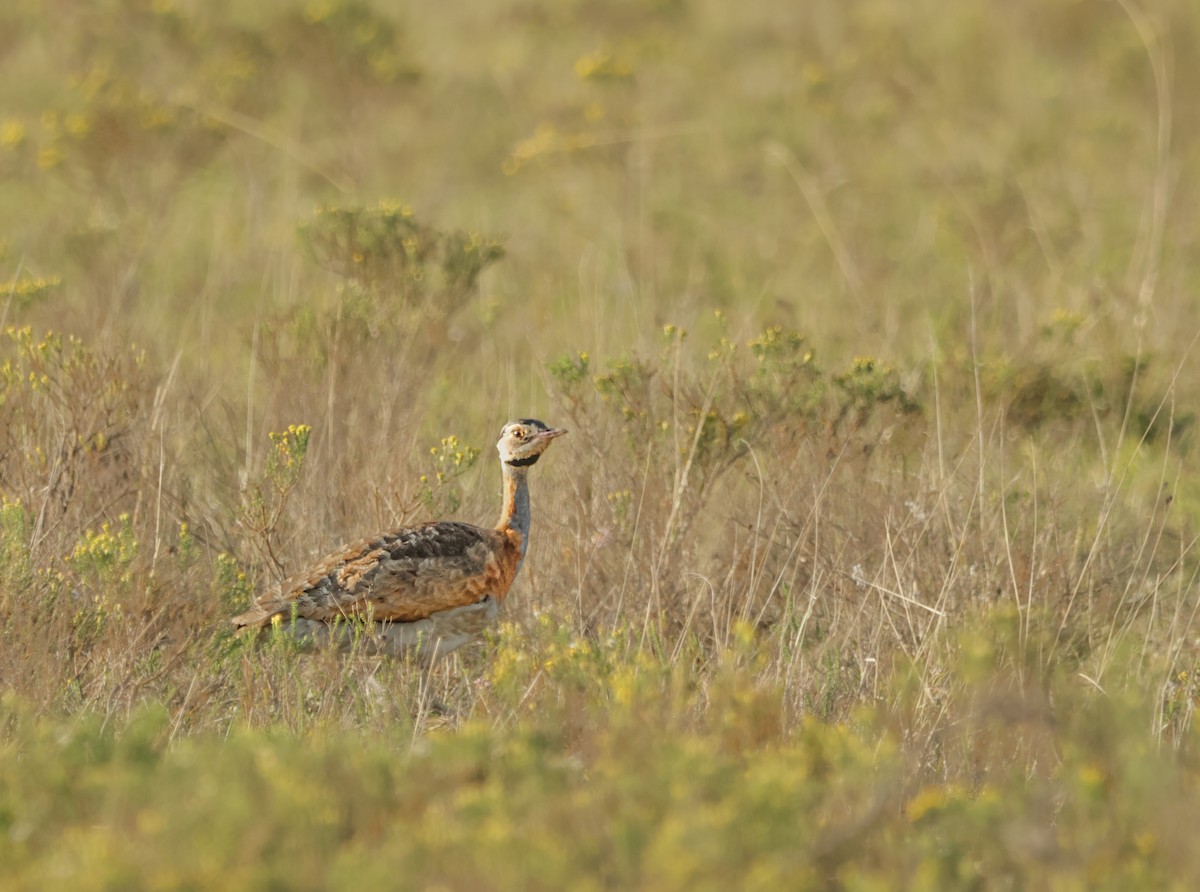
<point x="873" y="328"/>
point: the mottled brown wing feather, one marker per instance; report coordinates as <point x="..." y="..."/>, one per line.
<point x="403" y="575"/>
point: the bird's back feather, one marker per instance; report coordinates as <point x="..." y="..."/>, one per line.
<point x="403" y="575"/>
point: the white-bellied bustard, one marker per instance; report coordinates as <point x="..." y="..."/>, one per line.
<point x="429" y="588"/>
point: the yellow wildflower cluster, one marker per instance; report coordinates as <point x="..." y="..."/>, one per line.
<point x="568" y="370"/>
<point x="34" y="357"/>
<point x="545" y="139"/>
<point x="930" y="800"/>
<point x="362" y="35"/>
<point x="623" y="378"/>
<point x="233" y="586"/>
<point x="22" y="336"/>
<point x="290" y="445"/>
<point x="286" y="458"/>
<point x="26" y="290"/>
<point x="603" y="63"/>
<point x="512" y="664"/>
<point x="673" y="333"/>
<point x="12" y="133"/>
<point x="107" y="553"/>
<point x="390" y="208"/>
<point x="90" y="621"/>
<point x="723" y="349"/>
<point x="774" y="341"/>
<point x="450" y="458"/>
<point x="66" y="361"/>
<point x="475" y="243"/>
<point x="320" y="10"/>
<point x="185" y="544"/>
<point x="1064" y="323"/>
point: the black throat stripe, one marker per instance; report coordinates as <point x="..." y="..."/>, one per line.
<point x="523" y="462"/>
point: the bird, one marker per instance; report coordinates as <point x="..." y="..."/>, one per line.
<point x="425" y="590"/>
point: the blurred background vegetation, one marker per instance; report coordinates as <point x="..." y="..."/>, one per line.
<point x="870" y="561"/>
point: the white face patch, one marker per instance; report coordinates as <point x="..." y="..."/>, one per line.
<point x="521" y="441"/>
<point x="510" y="439"/>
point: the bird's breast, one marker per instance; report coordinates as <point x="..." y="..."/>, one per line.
<point x="507" y="560"/>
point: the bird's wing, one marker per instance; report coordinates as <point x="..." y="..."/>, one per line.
<point x="402" y="575"/>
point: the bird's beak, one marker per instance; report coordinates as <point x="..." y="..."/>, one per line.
<point x="552" y="433"/>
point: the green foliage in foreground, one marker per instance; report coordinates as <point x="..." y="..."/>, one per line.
<point x="629" y="773"/>
<point x="870" y="562"/>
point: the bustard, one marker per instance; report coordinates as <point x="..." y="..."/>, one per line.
<point x="426" y="589"/>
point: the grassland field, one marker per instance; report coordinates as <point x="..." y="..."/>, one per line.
<point x="869" y="563"/>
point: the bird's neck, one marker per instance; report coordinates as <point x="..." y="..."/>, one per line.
<point x="515" y="515"/>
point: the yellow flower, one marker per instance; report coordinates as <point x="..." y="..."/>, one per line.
<point x="319" y="10"/>
<point x="49" y="157"/>
<point x="928" y="799"/>
<point x="77" y="125"/>
<point x="12" y="133"/>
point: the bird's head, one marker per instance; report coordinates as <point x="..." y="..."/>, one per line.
<point x="523" y="441"/>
